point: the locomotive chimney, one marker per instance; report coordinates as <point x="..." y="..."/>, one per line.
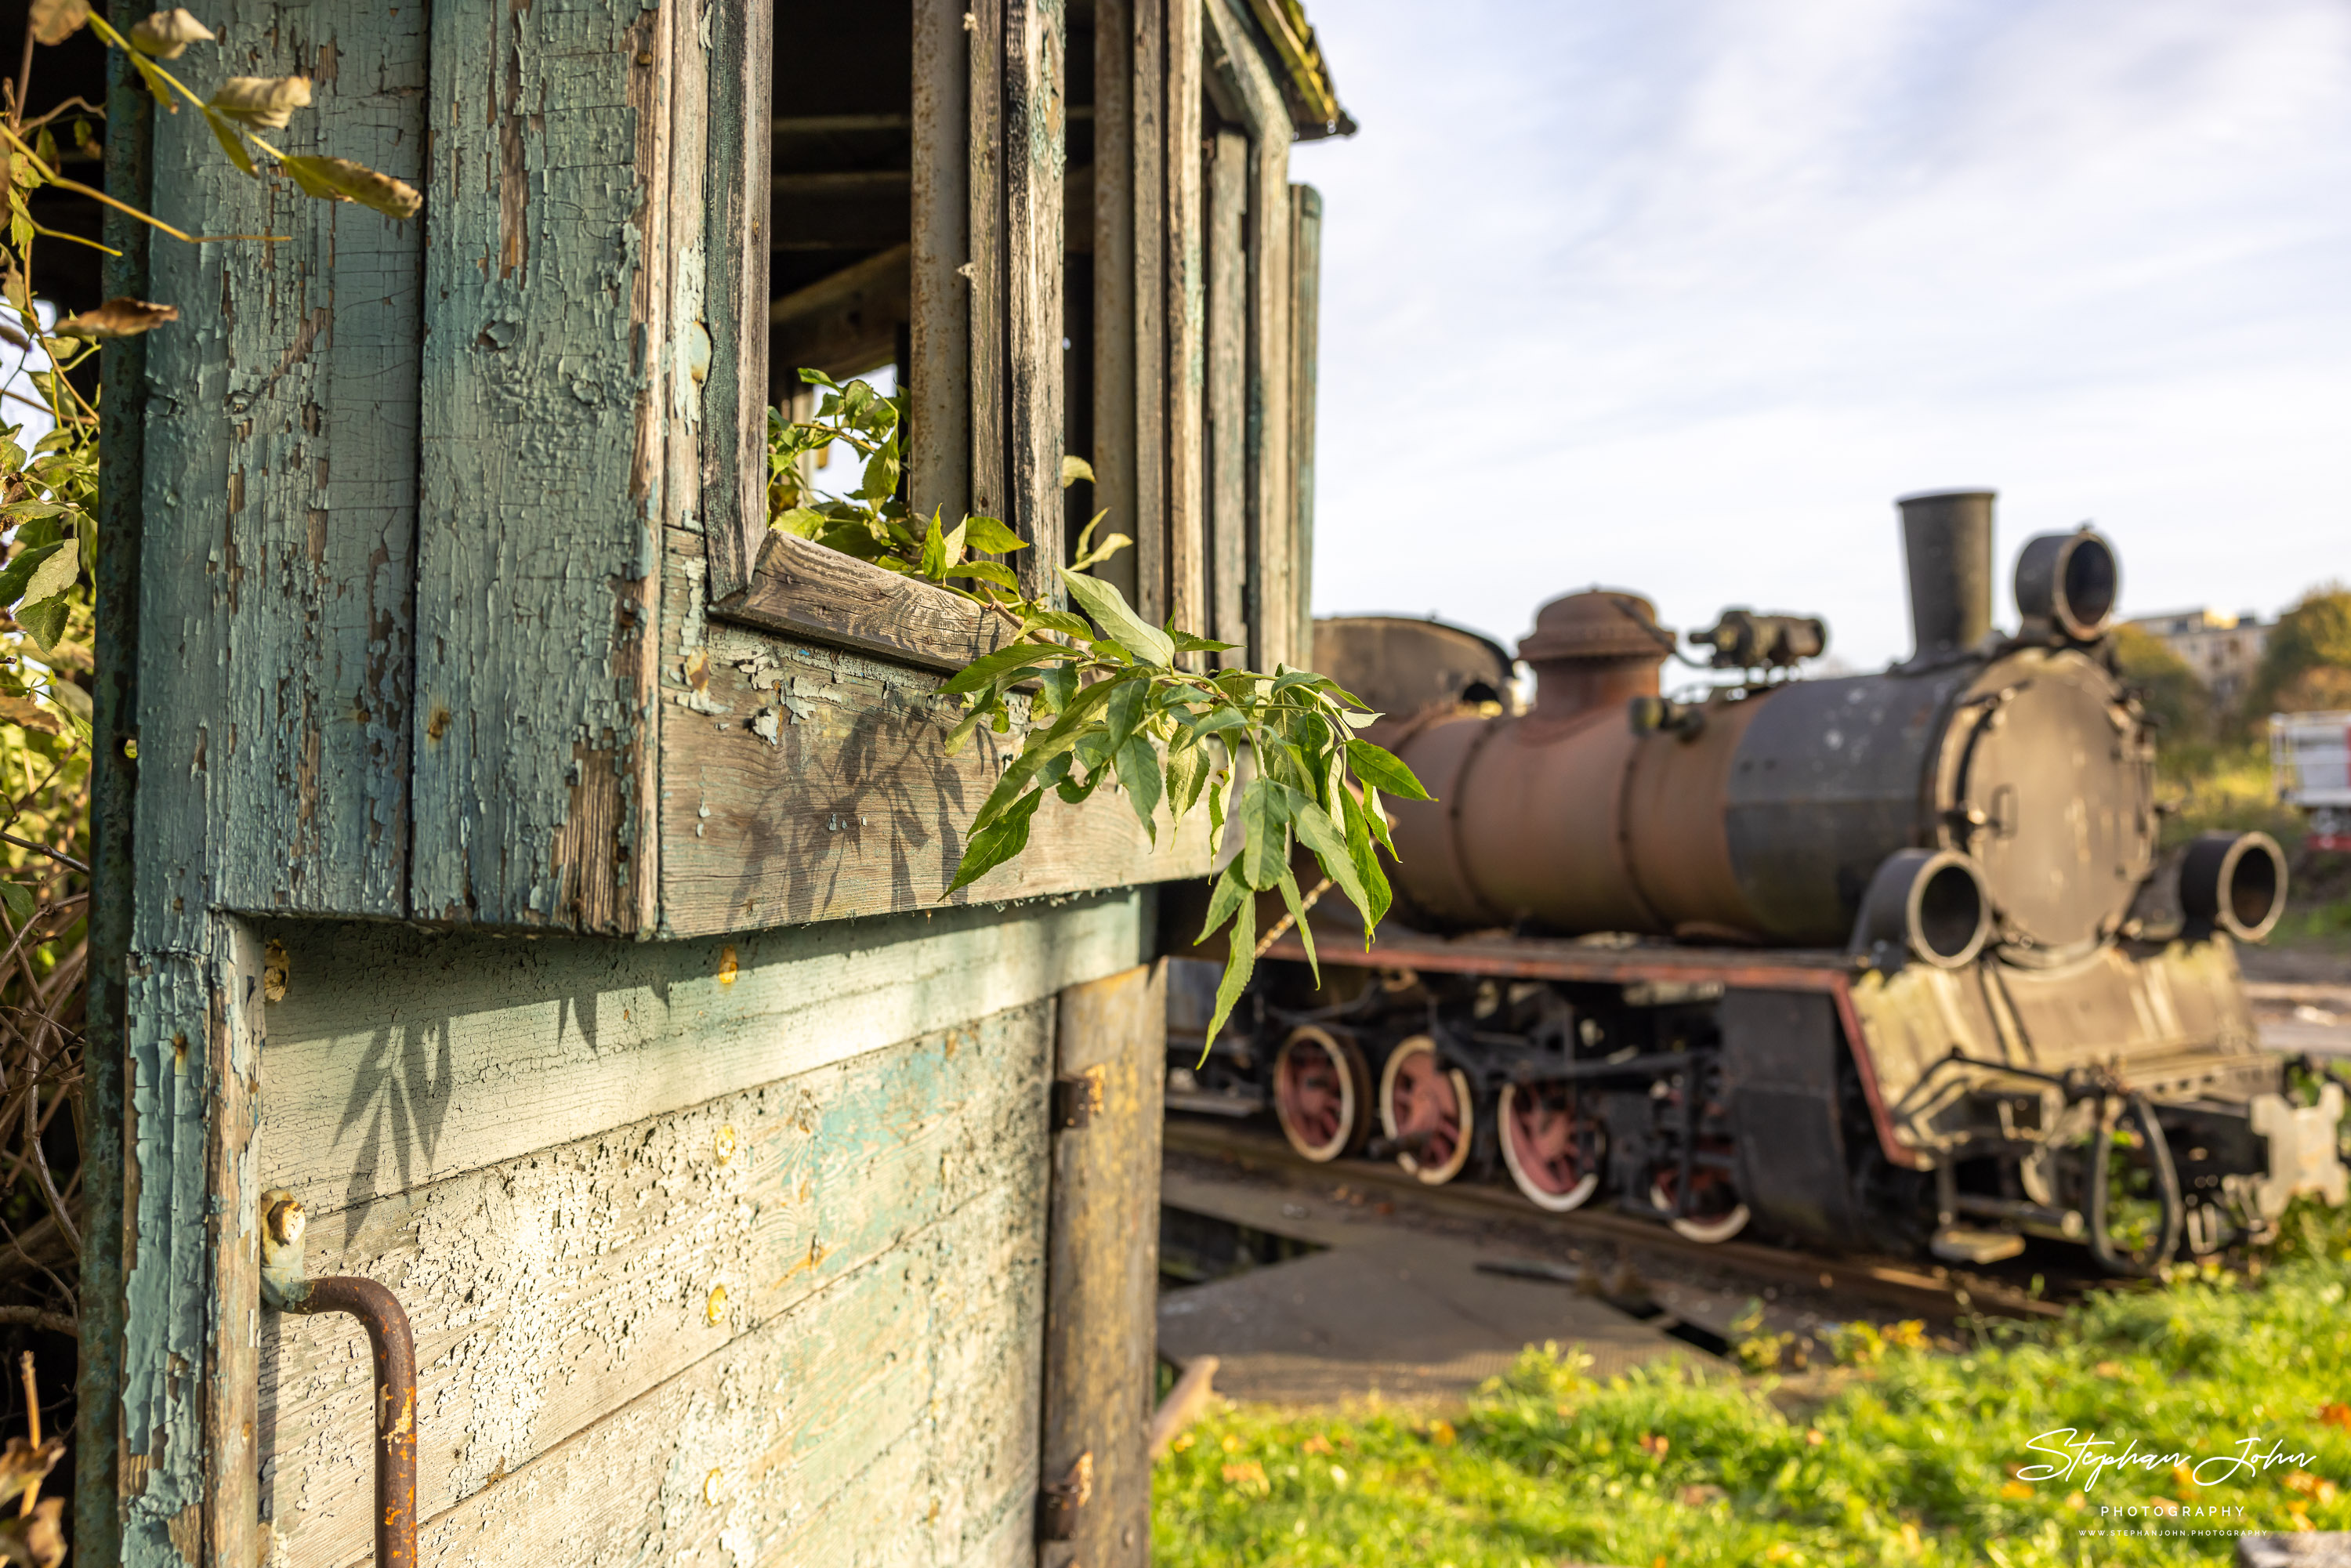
<point x="1594" y="650"/>
<point x="1947" y="539"/>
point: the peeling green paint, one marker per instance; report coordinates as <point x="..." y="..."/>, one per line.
<point x="536" y="582"/>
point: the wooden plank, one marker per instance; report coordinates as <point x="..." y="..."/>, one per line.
<point x="280" y="493"/>
<point x="1115" y="452"/>
<point x="812" y="784"/>
<point x="547" y="283"/>
<point x="1035" y="101"/>
<point x="990" y="407"/>
<point x="803" y="589"/>
<point x="1305" y="321"/>
<point x="1187" y="284"/>
<point x="190" y="1253"/>
<point x="1146" y="136"/>
<point x="1101" y="1270"/>
<point x="1225" y="437"/>
<point x="880" y="1422"/>
<point x="939" y="309"/>
<point x="1273" y="552"/>
<point x="399" y="1059"/>
<point x="1248" y="85"/>
<point x="739" y="154"/>
<point x="549" y="1291"/>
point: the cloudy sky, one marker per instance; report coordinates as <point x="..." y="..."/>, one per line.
<point x="1677" y="295"/>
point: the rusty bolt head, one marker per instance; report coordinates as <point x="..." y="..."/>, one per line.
<point x="726" y="1143"/>
<point x="714" y="1308"/>
<point x="286" y="1221"/>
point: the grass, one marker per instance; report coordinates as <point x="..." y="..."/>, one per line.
<point x="1914" y="1459"/>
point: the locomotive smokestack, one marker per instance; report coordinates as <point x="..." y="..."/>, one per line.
<point x="1946" y="538"/>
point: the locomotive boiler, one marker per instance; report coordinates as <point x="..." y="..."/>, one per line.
<point x="1882" y="961"/>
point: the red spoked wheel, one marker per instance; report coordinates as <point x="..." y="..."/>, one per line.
<point x="1715" y="1212"/>
<point x="1554" y="1150"/>
<point x="1321" y="1094"/>
<point x="1424" y="1106"/>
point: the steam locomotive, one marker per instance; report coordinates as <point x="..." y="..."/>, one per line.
<point x="1884" y="962"/>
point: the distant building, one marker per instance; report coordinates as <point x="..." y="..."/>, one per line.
<point x="2222" y="650"/>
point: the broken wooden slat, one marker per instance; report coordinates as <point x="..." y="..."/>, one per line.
<point x="1305" y="318"/>
<point x="538" y="533"/>
<point x="1226" y="437"/>
<point x="1101" y="1270"/>
<point x="1035" y="99"/>
<point x="801" y="589"/>
<point x="735" y="228"/>
<point x="936" y="382"/>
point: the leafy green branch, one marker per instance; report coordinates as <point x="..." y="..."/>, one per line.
<point x="1099" y="695"/>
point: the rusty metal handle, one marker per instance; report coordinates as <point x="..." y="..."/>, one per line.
<point x="285" y="1287"/>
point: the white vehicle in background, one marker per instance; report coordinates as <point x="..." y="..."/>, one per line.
<point x="2310" y="761"/>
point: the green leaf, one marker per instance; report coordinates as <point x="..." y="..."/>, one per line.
<point x="1138" y="772"/>
<point x="1368" y="866"/>
<point x="991" y="535"/>
<point x="992" y="571"/>
<point x="1109" y="610"/>
<point x="961" y="735"/>
<point x="1214" y="719"/>
<point x="44" y="622"/>
<point x="1297" y="923"/>
<point x="990" y="847"/>
<point x="1060" y="620"/>
<point x="17" y="575"/>
<point x="1040" y="750"/>
<point x="1380" y="769"/>
<point x="1127" y="699"/>
<point x="231" y="138"/>
<point x="1058" y="686"/>
<point x="19" y="901"/>
<point x="1074" y="468"/>
<point x="1377" y="817"/>
<point x="1266" y="808"/>
<point x="934" y="562"/>
<point x="1227" y="895"/>
<point x="1186" y="770"/>
<point x="984" y="670"/>
<point x="1319" y="834"/>
<point x="802" y="522"/>
<point x="1238" y="964"/>
<point x="1187" y="643"/>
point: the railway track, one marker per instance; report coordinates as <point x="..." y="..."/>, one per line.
<point x="1935" y="1293"/>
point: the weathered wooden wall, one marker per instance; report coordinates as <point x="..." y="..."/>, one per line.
<point x="725" y="1244"/>
<point x="452" y="607"/>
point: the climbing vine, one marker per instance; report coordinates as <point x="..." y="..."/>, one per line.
<point x="1099" y="696"/>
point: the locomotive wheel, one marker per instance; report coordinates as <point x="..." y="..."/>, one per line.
<point x="1715" y="1213"/>
<point x="1555" y="1154"/>
<point x="1321" y="1095"/>
<point x="1425" y="1105"/>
